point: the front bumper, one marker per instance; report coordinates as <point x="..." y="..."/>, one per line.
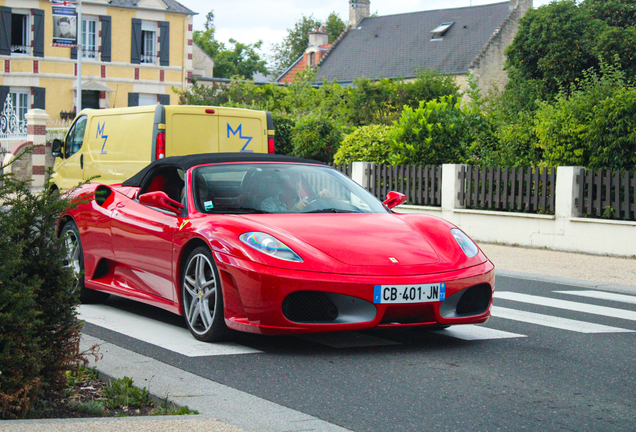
<point x="266" y="300"/>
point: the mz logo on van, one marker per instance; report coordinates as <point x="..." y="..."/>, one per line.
<point x="100" y="134"/>
<point x="239" y="131"/>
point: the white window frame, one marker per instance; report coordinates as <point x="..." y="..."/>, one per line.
<point x="90" y="37"/>
<point x="26" y="31"/>
<point x="149" y="42"/>
<point x="21" y="99"/>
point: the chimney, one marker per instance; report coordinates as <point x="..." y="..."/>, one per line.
<point x="358" y="10"/>
<point x="318" y="37"/>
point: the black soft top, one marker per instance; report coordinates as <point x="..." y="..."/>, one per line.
<point x="187" y="162"/>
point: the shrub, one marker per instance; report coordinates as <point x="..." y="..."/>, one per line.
<point x="315" y="137"/>
<point x="283" y="125"/>
<point x="40" y="331"/>
<point x="365" y="144"/>
<point x="592" y="125"/>
<point x="437" y="132"/>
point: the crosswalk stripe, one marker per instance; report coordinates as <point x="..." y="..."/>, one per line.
<point x="473" y="332"/>
<point x="568" y="305"/>
<point x="347" y="340"/>
<point x="157" y="333"/>
<point x="602" y="295"/>
<point x="555" y="322"/>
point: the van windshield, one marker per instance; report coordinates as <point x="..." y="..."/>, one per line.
<point x="278" y="188"/>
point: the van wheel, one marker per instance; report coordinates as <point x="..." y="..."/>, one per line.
<point x="75" y="261"/>
<point x="203" y="298"/>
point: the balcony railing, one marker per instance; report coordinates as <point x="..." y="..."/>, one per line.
<point x="149" y="59"/>
<point x="21" y="49"/>
<point x="89" y="53"/>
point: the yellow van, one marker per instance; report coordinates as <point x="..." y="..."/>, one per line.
<point x="116" y="143"/>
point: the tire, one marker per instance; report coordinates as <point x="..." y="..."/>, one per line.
<point x="75" y="260"/>
<point x="203" y="298"/>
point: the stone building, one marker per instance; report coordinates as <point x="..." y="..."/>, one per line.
<point x="451" y="41"/>
<point x="134" y="53"/>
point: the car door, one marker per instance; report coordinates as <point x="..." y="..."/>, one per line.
<point x="142" y="243"/>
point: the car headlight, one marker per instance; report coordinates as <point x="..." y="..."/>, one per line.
<point x="269" y="245"/>
<point x="468" y="246"/>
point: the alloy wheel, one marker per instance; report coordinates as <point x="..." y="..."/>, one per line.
<point x="200" y="294"/>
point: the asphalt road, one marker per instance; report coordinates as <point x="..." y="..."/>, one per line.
<point x="553" y="357"/>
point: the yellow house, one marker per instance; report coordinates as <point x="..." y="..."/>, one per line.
<point x="134" y="52"/>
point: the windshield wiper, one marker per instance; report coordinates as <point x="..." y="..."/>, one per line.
<point x="237" y="210"/>
<point x="332" y="210"/>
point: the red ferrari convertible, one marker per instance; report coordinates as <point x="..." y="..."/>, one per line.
<point x="272" y="245"/>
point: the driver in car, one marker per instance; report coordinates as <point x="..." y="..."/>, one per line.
<point x="289" y="198"/>
<point x="292" y="197"/>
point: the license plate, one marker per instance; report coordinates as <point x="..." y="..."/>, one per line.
<point x="409" y="293"/>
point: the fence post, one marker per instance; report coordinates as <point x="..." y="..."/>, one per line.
<point x="361" y="173"/>
<point x="36" y="135"/>
<point x="451" y="186"/>
<point x="566" y="192"/>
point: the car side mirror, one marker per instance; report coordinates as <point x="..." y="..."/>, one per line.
<point x="394" y="199"/>
<point x="162" y="201"/>
<point x="56" y="148"/>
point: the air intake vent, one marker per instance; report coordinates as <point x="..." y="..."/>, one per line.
<point x="474" y="301"/>
<point x="309" y="307"/>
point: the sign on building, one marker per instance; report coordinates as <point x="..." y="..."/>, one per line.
<point x="64" y="23"/>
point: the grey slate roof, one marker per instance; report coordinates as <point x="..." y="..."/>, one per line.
<point x="396" y="46"/>
<point x="173" y="6"/>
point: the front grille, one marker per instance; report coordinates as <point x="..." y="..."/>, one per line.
<point x="475" y="300"/>
<point x="309" y="307"/>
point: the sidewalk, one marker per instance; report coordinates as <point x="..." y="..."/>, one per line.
<point x="224" y="409"/>
<point x="602" y="272"/>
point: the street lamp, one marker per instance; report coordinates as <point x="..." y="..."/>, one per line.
<point x="79" y="57"/>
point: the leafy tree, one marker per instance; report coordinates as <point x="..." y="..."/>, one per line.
<point x="240" y="59"/>
<point x="552" y="45"/>
<point x="334" y="26"/>
<point x="616" y="13"/>
<point x="558" y="41"/>
<point x="294" y="44"/>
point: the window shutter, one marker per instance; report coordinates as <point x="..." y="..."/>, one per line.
<point x="135" y="47"/>
<point x="5" y="31"/>
<point x="4" y="92"/>
<point x="164" y="99"/>
<point x="106" y="37"/>
<point x="73" y="53"/>
<point x="164" y="34"/>
<point x="38" y="33"/>
<point x="39" y="97"/>
<point x="133" y="99"/>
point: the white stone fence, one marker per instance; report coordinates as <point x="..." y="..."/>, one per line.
<point x="564" y="230"/>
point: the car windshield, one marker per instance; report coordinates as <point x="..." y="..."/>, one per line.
<point x="278" y="188"/>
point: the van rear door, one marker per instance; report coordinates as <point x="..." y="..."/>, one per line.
<point x="242" y="130"/>
<point x="191" y="130"/>
<point x="119" y="143"/>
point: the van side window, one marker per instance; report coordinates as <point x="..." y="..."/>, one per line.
<point x="75" y="137"/>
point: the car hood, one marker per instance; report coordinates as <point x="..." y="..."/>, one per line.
<point x="357" y="239"/>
